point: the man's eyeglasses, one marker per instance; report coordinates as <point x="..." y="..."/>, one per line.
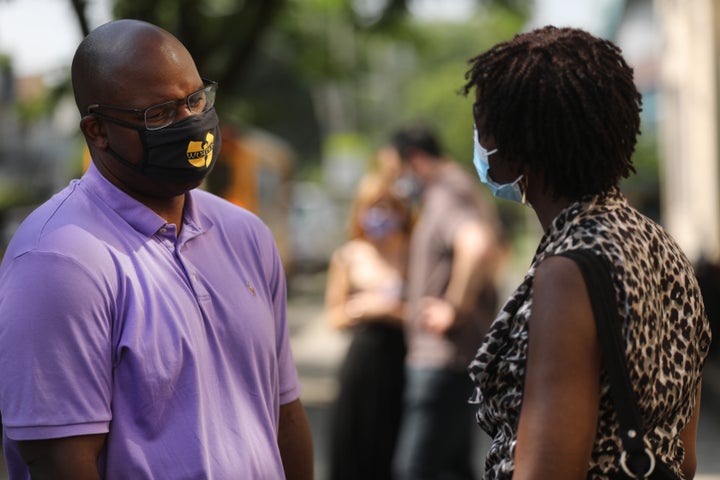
<point x="163" y="114"/>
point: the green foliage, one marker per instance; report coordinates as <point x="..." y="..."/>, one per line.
<point x="5" y="61"/>
<point x="643" y="188"/>
<point x="427" y="86"/>
<point x="282" y="63"/>
<point x="388" y="72"/>
<point x="14" y="193"/>
<point x="33" y="109"/>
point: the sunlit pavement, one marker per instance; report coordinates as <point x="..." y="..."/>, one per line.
<point x="318" y="350"/>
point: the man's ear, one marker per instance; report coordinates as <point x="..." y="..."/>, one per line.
<point x="94" y="131"/>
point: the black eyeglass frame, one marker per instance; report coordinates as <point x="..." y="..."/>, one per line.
<point x="209" y="87"/>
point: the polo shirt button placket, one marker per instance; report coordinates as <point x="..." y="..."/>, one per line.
<point x="165" y="237"/>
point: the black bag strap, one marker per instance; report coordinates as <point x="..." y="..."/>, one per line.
<point x="596" y="272"/>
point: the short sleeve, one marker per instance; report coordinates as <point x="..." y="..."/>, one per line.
<point x="55" y="348"/>
<point x="289" y="382"/>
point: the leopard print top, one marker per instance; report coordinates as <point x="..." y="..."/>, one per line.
<point x="667" y="333"/>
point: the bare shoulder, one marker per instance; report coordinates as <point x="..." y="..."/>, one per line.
<point x="558" y="268"/>
<point x="561" y="303"/>
<point x="558" y="276"/>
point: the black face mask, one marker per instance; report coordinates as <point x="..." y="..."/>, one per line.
<point x="184" y="151"/>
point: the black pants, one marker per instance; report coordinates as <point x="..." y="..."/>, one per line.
<point x="366" y="415"/>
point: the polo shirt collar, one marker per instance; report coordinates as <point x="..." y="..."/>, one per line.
<point x="135" y="213"/>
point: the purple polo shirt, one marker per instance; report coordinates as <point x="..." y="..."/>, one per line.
<point x="177" y="348"/>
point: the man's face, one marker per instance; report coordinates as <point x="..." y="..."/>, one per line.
<point x="407" y="184"/>
<point x="420" y="166"/>
<point x="162" y="73"/>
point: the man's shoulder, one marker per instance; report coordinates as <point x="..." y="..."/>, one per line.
<point x="46" y="217"/>
<point x="458" y="188"/>
<point x="231" y="219"/>
<point x="221" y="209"/>
<point x="459" y="177"/>
<point x="70" y="224"/>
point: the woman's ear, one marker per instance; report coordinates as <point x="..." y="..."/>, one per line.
<point x="94" y="131"/>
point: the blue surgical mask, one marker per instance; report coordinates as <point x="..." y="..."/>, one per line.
<point x="508" y="191"/>
<point x="379" y="222"/>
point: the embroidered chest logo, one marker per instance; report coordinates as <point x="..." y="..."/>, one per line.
<point x="250" y="287"/>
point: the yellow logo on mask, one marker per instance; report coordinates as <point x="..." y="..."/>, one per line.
<point x="200" y="154"/>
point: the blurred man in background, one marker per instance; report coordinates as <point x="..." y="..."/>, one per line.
<point x="454" y="254"/>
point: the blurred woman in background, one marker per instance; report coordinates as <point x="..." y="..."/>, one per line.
<point x="364" y="294"/>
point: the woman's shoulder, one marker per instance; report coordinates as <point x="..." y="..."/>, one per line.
<point x="354" y="249"/>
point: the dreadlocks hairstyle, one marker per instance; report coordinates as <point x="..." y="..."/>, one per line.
<point x="561" y="102"/>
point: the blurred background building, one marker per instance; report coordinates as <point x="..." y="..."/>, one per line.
<point x="689" y="127"/>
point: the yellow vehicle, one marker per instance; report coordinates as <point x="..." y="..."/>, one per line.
<point x="254" y="170"/>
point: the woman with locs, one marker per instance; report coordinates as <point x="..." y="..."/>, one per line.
<point x="557" y="114"/>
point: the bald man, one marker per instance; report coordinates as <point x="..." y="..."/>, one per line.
<point x="143" y="330"/>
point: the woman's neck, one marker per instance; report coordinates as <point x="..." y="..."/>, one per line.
<point x="542" y="201"/>
<point x="393" y="248"/>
